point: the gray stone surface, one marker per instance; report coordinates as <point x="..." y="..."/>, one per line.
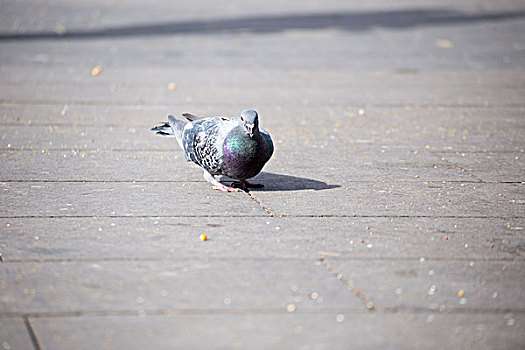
<point x="437" y="285"/>
<point x="298" y="331"/>
<point x="506" y="167"/>
<point x="26" y="199"/>
<point x="200" y="284"/>
<point x="293" y="127"/>
<point x="399" y="133"/>
<point x="401" y="199"/>
<point x="343" y="167"/>
<point x="154" y="238"/>
<point x="394" y="165"/>
<point x="447" y="89"/>
<point x="14" y="334"/>
<point x="80" y="165"/>
<point x="84" y="138"/>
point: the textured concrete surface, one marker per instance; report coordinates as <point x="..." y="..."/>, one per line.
<point x="336" y="329"/>
<point x="150" y="238"/>
<point x="393" y="210"/>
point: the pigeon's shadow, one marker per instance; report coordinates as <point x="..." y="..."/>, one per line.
<point x="281" y="182"/>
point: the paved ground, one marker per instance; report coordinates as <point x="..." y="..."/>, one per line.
<point x="393" y="211"/>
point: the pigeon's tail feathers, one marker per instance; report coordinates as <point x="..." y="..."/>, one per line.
<point x="164" y="130"/>
<point x="172" y="128"/>
<point x="177" y="126"/>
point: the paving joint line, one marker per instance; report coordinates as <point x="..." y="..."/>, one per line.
<point x="478" y="152"/>
<point x="244" y="311"/>
<point x="454" y="311"/>
<point x="202" y="181"/>
<point x="99" y="150"/>
<point x="458" y="167"/>
<point x="401" y="216"/>
<point x="103" y="181"/>
<point x="93" y="150"/>
<point x="269" y="258"/>
<point x="168" y="312"/>
<point x="260" y="216"/>
<point x="128" y="216"/>
<point x="262" y="205"/>
<point x="350" y="285"/>
<point x="32" y="334"/>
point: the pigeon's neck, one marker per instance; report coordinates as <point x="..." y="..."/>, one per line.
<point x="244" y="156"/>
<point x="241" y="144"/>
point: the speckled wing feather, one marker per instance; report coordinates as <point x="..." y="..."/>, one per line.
<point x="203" y="141"/>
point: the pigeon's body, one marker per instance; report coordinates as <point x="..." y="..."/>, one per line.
<point x="229" y="146"/>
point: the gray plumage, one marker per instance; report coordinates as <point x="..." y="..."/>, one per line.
<point x="230" y="146"/>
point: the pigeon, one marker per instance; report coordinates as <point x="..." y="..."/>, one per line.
<point x="229" y="146"/>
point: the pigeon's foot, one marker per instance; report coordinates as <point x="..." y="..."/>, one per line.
<point x="225" y="188"/>
<point x="244" y="185"/>
<point x="217" y="185"/>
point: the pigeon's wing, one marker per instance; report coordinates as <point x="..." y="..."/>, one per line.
<point x="269" y="142"/>
<point x="190" y="117"/>
<point x="203" y="142"/>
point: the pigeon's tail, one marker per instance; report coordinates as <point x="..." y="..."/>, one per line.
<point x="173" y="128"/>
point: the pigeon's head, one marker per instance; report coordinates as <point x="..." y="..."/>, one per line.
<point x="250" y="119"/>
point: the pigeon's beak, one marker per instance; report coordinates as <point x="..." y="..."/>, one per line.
<point x="249" y="127"/>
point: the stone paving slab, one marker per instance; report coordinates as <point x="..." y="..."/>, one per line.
<point x="155" y="77"/>
<point x="397" y="120"/>
<point x="400" y="199"/>
<point x="79" y="165"/>
<point x="238" y="77"/>
<point x="14" y="334"/>
<point x="369" y="199"/>
<point x="286" y="139"/>
<point x="387" y="239"/>
<point x="132" y="114"/>
<point x="209" y="76"/>
<point x="298" y="331"/>
<point x="203" y="284"/>
<point x="353" y="165"/>
<point x="122" y="199"/>
<point x="374" y="44"/>
<point x="417" y="125"/>
<point x="401" y="91"/>
<point x="333" y="127"/>
<point x="472" y="129"/>
<point x="507" y="167"/>
<point x="362" y="165"/>
<point x="437" y="285"/>
<point x="67" y="138"/>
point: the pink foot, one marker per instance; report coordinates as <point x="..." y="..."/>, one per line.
<point x="224" y="188"/>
